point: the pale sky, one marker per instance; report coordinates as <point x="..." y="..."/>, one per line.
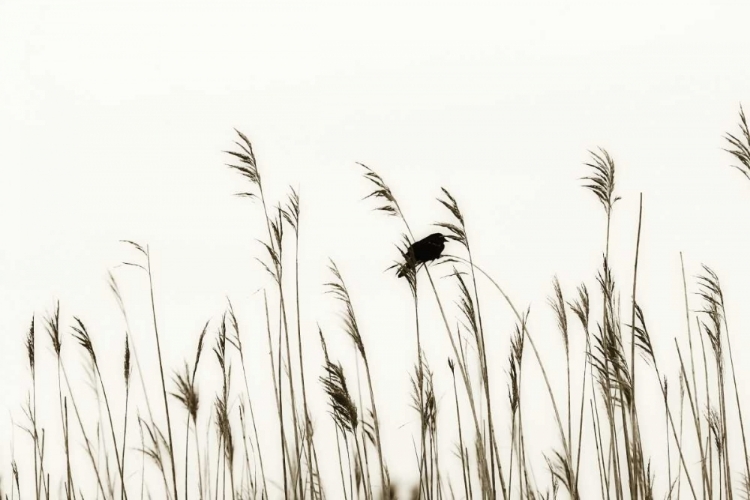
<point x="114" y="116"/>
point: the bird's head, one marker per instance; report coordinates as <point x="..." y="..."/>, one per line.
<point x="438" y="237"/>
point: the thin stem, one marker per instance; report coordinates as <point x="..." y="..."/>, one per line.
<point x="112" y="429"/>
<point x="692" y="367"/>
<point x="420" y="395"/>
<point x="308" y="425"/>
<point x="460" y="437"/>
<point x="124" y="441"/>
<point x="485" y="374"/>
<point x="696" y="420"/>
<point x="198" y="461"/>
<point x="632" y="338"/>
<point x="583" y="400"/>
<point x="187" y="446"/>
<point x="566" y="447"/>
<point x="85" y="436"/>
<point x="161" y="373"/>
<point x="736" y="392"/>
<point x="709" y="485"/>
<point x="280" y="388"/>
<point x="35" y="436"/>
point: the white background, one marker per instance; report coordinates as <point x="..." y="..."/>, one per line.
<point x="114" y="116"/>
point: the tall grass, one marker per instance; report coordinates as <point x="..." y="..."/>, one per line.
<point x="473" y="439"/>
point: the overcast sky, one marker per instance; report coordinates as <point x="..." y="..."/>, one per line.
<point x="114" y="116"/>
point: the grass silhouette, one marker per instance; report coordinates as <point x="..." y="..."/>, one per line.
<point x="600" y="401"/>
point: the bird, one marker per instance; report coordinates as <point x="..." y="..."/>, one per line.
<point x="422" y="251"/>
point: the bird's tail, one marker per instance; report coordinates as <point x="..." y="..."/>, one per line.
<point x="409" y="264"/>
<point x="402" y="270"/>
<point x="405" y="269"/>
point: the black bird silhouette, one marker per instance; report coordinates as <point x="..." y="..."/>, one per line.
<point x="424" y="250"/>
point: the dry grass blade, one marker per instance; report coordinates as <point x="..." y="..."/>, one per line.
<point x="582" y="306"/>
<point x="246" y="165"/>
<point x="136" y="246"/>
<point x="472" y="312"/>
<point x="713" y="307"/>
<point x="275" y="260"/>
<point x="710" y="288"/>
<point x="343" y="409"/>
<point x="710" y="292"/>
<point x="82" y="336"/>
<point x="745" y="487"/>
<point x="714" y="424"/>
<point x="466" y="307"/>
<point x="152" y="449"/>
<point x="186" y="392"/>
<point x="456" y="232"/>
<point x="558" y="306"/>
<point x="234" y="340"/>
<point x="220" y="349"/>
<point x="53" y="329"/>
<point x="602" y="181"/>
<point x="451" y="205"/>
<point x="277" y="228"/>
<point x="514" y="372"/>
<point x="224" y="426"/>
<point x="465" y="473"/>
<point x="561" y="470"/>
<point x="31" y="412"/>
<point x="423" y="394"/>
<point x="337" y="287"/>
<point x="199" y="349"/>
<point x="381" y="192"/>
<point x="642" y="337"/>
<point x="29" y="344"/>
<point x="649" y="486"/>
<point x="276" y="232"/>
<point x="292" y="212"/>
<point x="608" y="355"/>
<point x="470" y="309"/>
<point x="14" y="468"/>
<point x="740" y="146"/>
<point x="610" y="365"/>
<point x="126" y="362"/>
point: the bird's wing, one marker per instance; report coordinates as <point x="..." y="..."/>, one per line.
<point x="432" y="244"/>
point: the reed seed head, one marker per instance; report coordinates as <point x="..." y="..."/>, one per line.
<point x="53" y="329"/>
<point x="82" y="336"/>
<point x="602" y="181"/>
<point x="740" y="146"/>
<point x="30" y="351"/>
